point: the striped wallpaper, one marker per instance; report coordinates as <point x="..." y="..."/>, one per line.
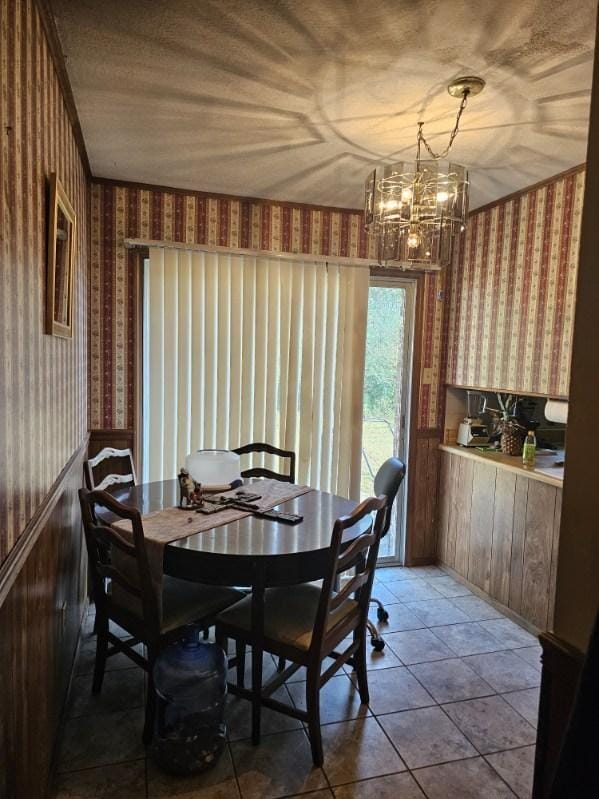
<point x="512" y="292"/>
<point x="43" y="391"/>
<point x="121" y="211"/>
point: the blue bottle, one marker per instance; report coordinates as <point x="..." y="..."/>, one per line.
<point x="190" y="679"/>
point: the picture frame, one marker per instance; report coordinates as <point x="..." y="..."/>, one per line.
<point x="62" y="231"/>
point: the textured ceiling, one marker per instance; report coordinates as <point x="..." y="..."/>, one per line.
<point x="297" y="99"/>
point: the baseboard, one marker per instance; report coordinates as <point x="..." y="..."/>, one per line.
<point x="483" y="595"/>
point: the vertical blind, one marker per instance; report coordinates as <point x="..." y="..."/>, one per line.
<point x="245" y="348"/>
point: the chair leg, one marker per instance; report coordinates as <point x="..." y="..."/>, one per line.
<point x="313" y="708"/>
<point x="150" y="710"/>
<point x="360" y="669"/>
<point x="240" y="657"/>
<point x="281" y="664"/>
<point x="100" y="663"/>
<point x="256" y="693"/>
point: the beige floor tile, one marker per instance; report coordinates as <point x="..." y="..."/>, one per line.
<point x="280" y="766"/>
<point x="450" y="680"/>
<point x="517" y="769"/>
<point x="386" y="659"/>
<point x="449" y="587"/>
<point x="491" y="724"/>
<point x="475" y="608"/>
<point x="526" y="702"/>
<point x="436" y="612"/>
<point x="467" y="639"/>
<point x="357" y="750"/>
<point x="504" y="671"/>
<point x="102" y="739"/>
<point x="426" y="736"/>
<point x="87" y="657"/>
<point x="238" y="717"/>
<point x="121" y="690"/>
<point x="216" y="783"/>
<point x="394" y="786"/>
<point x="387" y="574"/>
<point x="339" y="700"/>
<point x="392" y="690"/>
<point x="383" y="594"/>
<point x="413" y="590"/>
<point x="123" y="781"/>
<point x="465" y="779"/>
<point x="400" y="618"/>
<point x="418" y="646"/>
<point x="531" y="654"/>
<point x="509" y="634"/>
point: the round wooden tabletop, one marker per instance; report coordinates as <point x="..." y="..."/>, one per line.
<point x="235" y="552"/>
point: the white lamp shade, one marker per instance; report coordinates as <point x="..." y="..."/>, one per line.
<point x="213" y="466"/>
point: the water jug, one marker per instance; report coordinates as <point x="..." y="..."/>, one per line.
<point x="190" y="680"/>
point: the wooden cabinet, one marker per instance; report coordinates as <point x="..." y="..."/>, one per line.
<point x="499" y="529"/>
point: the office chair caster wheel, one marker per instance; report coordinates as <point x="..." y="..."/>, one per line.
<point x="382" y="614"/>
<point x="377" y="643"/>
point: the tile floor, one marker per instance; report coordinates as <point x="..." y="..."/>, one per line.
<point x="452" y="715"/>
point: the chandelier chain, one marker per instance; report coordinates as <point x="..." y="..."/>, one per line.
<point x="452" y="135"/>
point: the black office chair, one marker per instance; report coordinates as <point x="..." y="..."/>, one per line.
<point x="387" y="481"/>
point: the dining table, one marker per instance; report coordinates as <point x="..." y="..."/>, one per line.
<point x="252" y="552"/>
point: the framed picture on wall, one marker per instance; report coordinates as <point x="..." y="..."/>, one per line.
<point x="61" y="255"/>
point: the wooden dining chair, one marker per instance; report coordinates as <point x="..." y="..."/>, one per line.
<point x="259" y="471"/>
<point x="124" y="593"/>
<point x="122" y="461"/>
<point x="305" y="624"/>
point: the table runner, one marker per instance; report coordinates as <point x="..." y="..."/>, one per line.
<point x="162" y="527"/>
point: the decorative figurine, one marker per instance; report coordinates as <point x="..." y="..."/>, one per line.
<point x="190" y="493"/>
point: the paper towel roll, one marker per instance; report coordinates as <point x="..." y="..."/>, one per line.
<point x="557" y="411"/>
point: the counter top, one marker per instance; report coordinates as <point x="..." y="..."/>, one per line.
<point x="544" y="470"/>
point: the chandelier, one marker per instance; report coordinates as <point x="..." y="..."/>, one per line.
<point x="414" y="210"/>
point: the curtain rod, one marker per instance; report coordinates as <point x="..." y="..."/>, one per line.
<point x="342" y="260"/>
<point x="132" y="244"/>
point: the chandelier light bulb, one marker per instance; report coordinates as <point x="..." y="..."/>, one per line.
<point x="413" y="240"/>
<point x="406" y="195"/>
<point x="442" y="196"/>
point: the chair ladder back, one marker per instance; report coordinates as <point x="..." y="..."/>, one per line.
<point x="108" y="480"/>
<point x="262" y="471"/>
<point x="361" y="553"/>
<point x="138" y="582"/>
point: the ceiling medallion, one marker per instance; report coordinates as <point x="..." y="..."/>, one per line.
<point x="414" y="210"/>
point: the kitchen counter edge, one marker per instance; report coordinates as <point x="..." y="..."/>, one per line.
<point x="508" y="462"/>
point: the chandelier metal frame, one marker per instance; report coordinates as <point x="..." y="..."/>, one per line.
<point x="415" y="210"/>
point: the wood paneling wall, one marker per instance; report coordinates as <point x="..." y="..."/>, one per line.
<point x="43" y="390"/>
<point x="40" y="620"/>
<point x="500" y="531"/>
<point x="43" y="402"/>
<point x="512" y="291"/>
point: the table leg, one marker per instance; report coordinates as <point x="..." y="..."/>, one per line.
<point x="257" y="654"/>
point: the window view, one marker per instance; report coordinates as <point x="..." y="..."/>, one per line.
<point x="382" y="426"/>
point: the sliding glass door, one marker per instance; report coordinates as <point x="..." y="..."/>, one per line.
<point x="387" y="378"/>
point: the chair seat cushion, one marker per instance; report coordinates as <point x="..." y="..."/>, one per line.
<point x="289" y="614"/>
<point x="184" y="602"/>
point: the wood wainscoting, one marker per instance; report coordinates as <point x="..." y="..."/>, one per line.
<point x="42" y="591"/>
<point x="500" y="531"/>
<point x="423" y="471"/>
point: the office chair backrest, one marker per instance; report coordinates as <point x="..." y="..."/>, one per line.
<point x="387" y="481"/>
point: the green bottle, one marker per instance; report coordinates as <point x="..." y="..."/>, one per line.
<point x="529" y="450"/>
